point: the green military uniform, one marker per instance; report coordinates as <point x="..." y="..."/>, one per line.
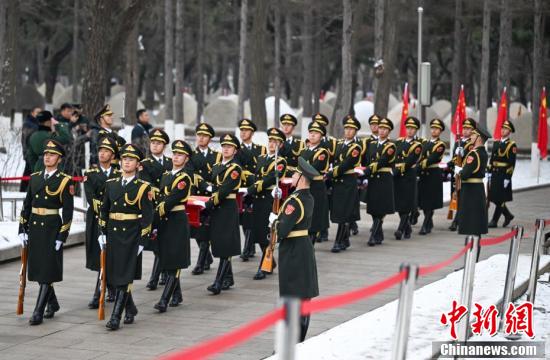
<point x="379" y="172"/>
<point x="430" y="184"/>
<point x="94" y="187"/>
<point x="267" y="173"/>
<point x="297" y="265"/>
<point x="344" y="206"/>
<point x="292" y="147"/>
<point x="99" y="132"/>
<point x="501" y="165"/>
<point x="224" y="216"/>
<point x="174" y="249"/>
<point x="318" y="157"/>
<point x="368" y="153"/>
<point x="38" y="139"/>
<point x="126" y="216"/>
<point x="406" y="190"/>
<point x="472" y="217"/>
<point x="46" y="230"/>
<point x="201" y="164"/>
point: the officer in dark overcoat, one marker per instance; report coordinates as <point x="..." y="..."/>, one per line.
<point x="292" y="147"/>
<point x="44" y="231"/>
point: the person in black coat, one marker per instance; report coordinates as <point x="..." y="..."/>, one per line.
<point x="408" y="151"/>
<point x="140" y="132"/>
<point x="30" y="125"/>
<point x="472" y="218"/>
<point x="103" y="127"/>
<point x="501" y="166"/>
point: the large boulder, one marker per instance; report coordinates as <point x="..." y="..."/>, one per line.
<point x="116" y="102"/>
<point x="189" y="111"/>
<point x="284" y="108"/>
<point x="58" y="89"/>
<point x="363" y="111"/>
<point x="330" y="98"/>
<point x="27" y="98"/>
<point x="66" y="96"/>
<point x="441" y="108"/>
<point x="221" y="112"/>
<point x="117" y="88"/>
<point x="516" y="110"/>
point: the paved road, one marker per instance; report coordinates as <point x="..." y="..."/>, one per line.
<point x="75" y="332"/>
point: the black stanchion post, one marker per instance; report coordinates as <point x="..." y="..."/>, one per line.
<point x="402" y="324"/>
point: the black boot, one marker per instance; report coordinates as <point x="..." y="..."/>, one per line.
<point x="496" y="215"/>
<point x="354" y="228"/>
<point x="41" y="301"/>
<point x="177" y="296"/>
<point x="323" y="236"/>
<point x="94" y="303"/>
<point x="216" y="287"/>
<point x="425" y="229"/>
<point x="169" y="288"/>
<point x="228" y="280"/>
<point x="454" y="224"/>
<point x="414" y="216"/>
<point x="209" y="259"/>
<point x="407" y="229"/>
<point x="401" y="227"/>
<point x="155" y="273"/>
<point x="111" y="293"/>
<point x="337" y="242"/>
<point x="260" y="275"/>
<point x="508" y="217"/>
<point x="380" y="233"/>
<point x="430" y="221"/>
<point x="373" y="231"/>
<point x="199" y="268"/>
<point x="304" y="325"/>
<point x="120" y="303"/>
<point x="131" y="309"/>
<point x="162" y="280"/>
<point x="345" y="237"/>
<point x="53" y="305"/>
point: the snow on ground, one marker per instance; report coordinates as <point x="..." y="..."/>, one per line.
<point x="370" y="336"/>
<point x="9" y="229"/>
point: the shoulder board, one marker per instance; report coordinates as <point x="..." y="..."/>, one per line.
<point x="65" y="175"/>
<point x="36" y="173"/>
<point x="143" y="181"/>
<point x="110" y="180"/>
<point x="400" y="139"/>
<point x="91" y="171"/>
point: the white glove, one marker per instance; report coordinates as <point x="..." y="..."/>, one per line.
<point x="277" y="193"/>
<point x="200" y="203"/>
<point x="272" y="218"/>
<point x="209" y="188"/>
<point x="140" y="249"/>
<point x="488" y="176"/>
<point x="23" y="239"/>
<point x="58" y="244"/>
<point x="459" y="151"/>
<point x="243" y="191"/>
<point x="365" y="182"/>
<point x="506" y="183"/>
<point x="359" y="171"/>
<point x="458" y="169"/>
<point x="102" y="240"/>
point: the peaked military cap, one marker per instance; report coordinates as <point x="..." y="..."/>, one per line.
<point x="288" y="119"/>
<point x="205" y="129"/>
<point x="105" y="110"/>
<point x="54" y="147"/>
<point x="374" y="119"/>
<point x="481" y="131"/>
<point x="276" y="134"/>
<point x="230" y="140"/>
<point x="320" y="118"/>
<point x="508" y="125"/>
<point x="469" y="123"/>
<point x="160" y="135"/>
<point x="351" y="121"/>
<point x="108" y="143"/>
<point x="412" y="122"/>
<point x="437" y="123"/>
<point x="318" y="127"/>
<point x="247" y="124"/>
<point x="306" y="169"/>
<point x="130" y="150"/>
<point x="181" y="147"/>
<point x="385" y="123"/>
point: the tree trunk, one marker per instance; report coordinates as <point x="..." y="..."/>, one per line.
<point x="346" y="85"/>
<point x="538" y="64"/>
<point x="379" y="10"/>
<point x="292" y="73"/>
<point x="485" y="55"/>
<point x="180" y="60"/>
<point x="317" y="41"/>
<point x="131" y="77"/>
<point x="390" y="52"/>
<point x="75" y="79"/>
<point x="169" y="59"/>
<point x="277" y="65"/>
<point x="458" y="56"/>
<point x="9" y="64"/>
<point x="307" y="59"/>
<point x="504" y="46"/>
<point x="200" y="65"/>
<point x="242" y="58"/>
<point x="52" y="66"/>
<point x="258" y="83"/>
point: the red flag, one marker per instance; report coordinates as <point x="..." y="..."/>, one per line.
<point x="460" y="114"/>
<point x="543" y="126"/>
<point x="405" y="111"/>
<point x="502" y="115"/>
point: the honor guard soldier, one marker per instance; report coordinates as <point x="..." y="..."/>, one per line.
<point x="247" y="157"/>
<point x="263" y="191"/>
<point x="94" y="187"/>
<point x="292" y="147"/>
<point x="344" y="199"/>
<point x="224" y="213"/>
<point x="174" y="250"/>
<point x="318" y="157"/>
<point x="430" y="184"/>
<point x="202" y="161"/>
<point x="408" y="150"/>
<point x="103" y="127"/>
<point x="151" y="170"/>
<point x="460" y="148"/>
<point x="297" y="265"/>
<point x="44" y="231"/>
<point x="379" y="173"/>
<point x="501" y="165"/>
<point x="126" y="216"/>
<point x="472" y="217"/>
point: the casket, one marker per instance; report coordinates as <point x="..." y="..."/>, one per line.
<point x="194" y="210"/>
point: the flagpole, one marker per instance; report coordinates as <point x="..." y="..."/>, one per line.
<point x="419" y="69"/>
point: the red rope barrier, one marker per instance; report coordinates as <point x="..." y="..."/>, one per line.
<point x="229" y="340"/>
<point x="322" y="304"/>
<point x="425" y="270"/>
<point x="497" y="240"/>
<point x="27" y="178"/>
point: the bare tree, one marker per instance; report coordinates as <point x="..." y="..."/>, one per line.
<point x="277" y="64"/>
<point x="75" y="78"/>
<point x="504" y="45"/>
<point x="9" y="65"/>
<point x="307" y="58"/>
<point x="180" y="63"/>
<point x="485" y="55"/>
<point x="169" y="59"/>
<point x="131" y="77"/>
<point x="242" y="58"/>
<point x="379" y="11"/>
<point x="200" y="64"/>
<point x="458" y="56"/>
<point x="538" y="64"/>
<point x="257" y="69"/>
